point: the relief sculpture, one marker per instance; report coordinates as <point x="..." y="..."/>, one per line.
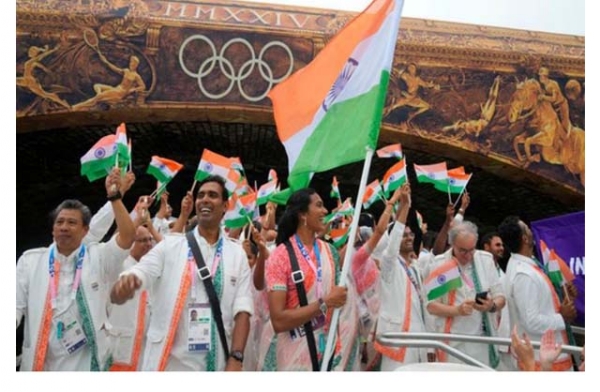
<point x="556" y="144"/>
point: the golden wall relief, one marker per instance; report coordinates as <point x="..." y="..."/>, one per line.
<point x="83" y="74"/>
<point x="532" y="120"/>
<point x="518" y="100"/>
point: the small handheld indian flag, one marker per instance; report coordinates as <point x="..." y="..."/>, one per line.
<point x="557" y="269"/>
<point x="442" y="280"/>
<point x="163" y="169"/>
<point x="235" y="216"/>
<point x="236" y="164"/>
<point x="212" y="163"/>
<point x="122" y="146"/>
<point x="394" y="178"/>
<point x="345" y="210"/>
<point x="265" y="191"/>
<point x="373" y="193"/>
<point x="391" y="151"/>
<point x="436" y="174"/>
<point x="456" y="183"/>
<point x="99" y="160"/>
<point x="335" y="189"/>
<point x="339" y="236"/>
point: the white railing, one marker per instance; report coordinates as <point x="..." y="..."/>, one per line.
<point x="438" y="340"/>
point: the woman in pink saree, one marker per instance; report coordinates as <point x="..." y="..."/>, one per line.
<point x="319" y="263"/>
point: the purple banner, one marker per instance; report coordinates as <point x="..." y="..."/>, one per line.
<point x="566" y="235"/>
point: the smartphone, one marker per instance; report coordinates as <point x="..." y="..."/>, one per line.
<point x="481" y="296"/>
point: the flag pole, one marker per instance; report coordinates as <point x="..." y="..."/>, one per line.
<point x="163" y="185"/>
<point x="348" y="257"/>
<point x="461" y="192"/>
<point x="193" y="186"/>
<point x="449" y="196"/>
<point x="130" y="157"/>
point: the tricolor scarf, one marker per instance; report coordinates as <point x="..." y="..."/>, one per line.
<point x="84" y="312"/>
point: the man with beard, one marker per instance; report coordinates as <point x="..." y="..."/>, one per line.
<point x="173" y="342"/>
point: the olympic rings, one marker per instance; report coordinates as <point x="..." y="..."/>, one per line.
<point x="235" y="77"/>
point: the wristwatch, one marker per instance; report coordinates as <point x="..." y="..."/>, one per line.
<point x="238" y="355"/>
<point x="114" y="197"/>
<point x="322" y="306"/>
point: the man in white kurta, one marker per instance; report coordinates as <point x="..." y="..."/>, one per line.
<point x="400" y="290"/>
<point x="457" y="312"/>
<point x="176" y="290"/>
<point x="129" y="322"/>
<point x="54" y="333"/>
<point x="532" y="301"/>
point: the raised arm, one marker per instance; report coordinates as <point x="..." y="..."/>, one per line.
<point x="187" y="205"/>
<point x="125" y="227"/>
<point x="263" y="254"/>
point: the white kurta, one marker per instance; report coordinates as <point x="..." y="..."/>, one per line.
<point x="394" y="284"/>
<point x="162" y="269"/>
<point x="530" y="301"/>
<point x="101" y="267"/>
<point x="471" y="324"/>
<point x="124" y="323"/>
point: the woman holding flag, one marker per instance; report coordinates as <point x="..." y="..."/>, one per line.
<point x="314" y="277"/>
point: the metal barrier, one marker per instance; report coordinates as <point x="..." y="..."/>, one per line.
<point x="437" y="340"/>
<point x="578" y="330"/>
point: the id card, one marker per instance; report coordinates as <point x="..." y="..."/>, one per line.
<point x="199" y="323"/>
<point x="69" y="333"/>
<point x="317" y="323"/>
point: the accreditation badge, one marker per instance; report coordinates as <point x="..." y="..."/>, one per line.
<point x="199" y="321"/>
<point x="69" y="332"/>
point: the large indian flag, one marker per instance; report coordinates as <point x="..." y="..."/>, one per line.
<point x="163" y="169"/>
<point x="328" y="112"/>
<point x="98" y="161"/>
<point x="442" y="280"/>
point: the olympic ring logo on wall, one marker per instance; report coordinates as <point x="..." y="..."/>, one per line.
<point x="235" y="77"/>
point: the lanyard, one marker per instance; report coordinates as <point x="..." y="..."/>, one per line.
<point x="318" y="270"/>
<point x="468" y="281"/>
<point x="52" y="273"/>
<point x="193" y="268"/>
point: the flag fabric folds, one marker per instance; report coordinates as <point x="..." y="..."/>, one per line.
<point x="123" y="146"/>
<point x="339" y="236"/>
<point x="557" y="269"/>
<point x="442" y="280"/>
<point x="391" y="151"/>
<point x="328" y="112"/>
<point x="212" y="163"/>
<point x="163" y="169"/>
<point x="346" y="209"/>
<point x="265" y="191"/>
<point x="373" y="193"/>
<point x="394" y="178"/>
<point x="436" y="174"/>
<point x="235" y="216"/>
<point x="100" y="159"/>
